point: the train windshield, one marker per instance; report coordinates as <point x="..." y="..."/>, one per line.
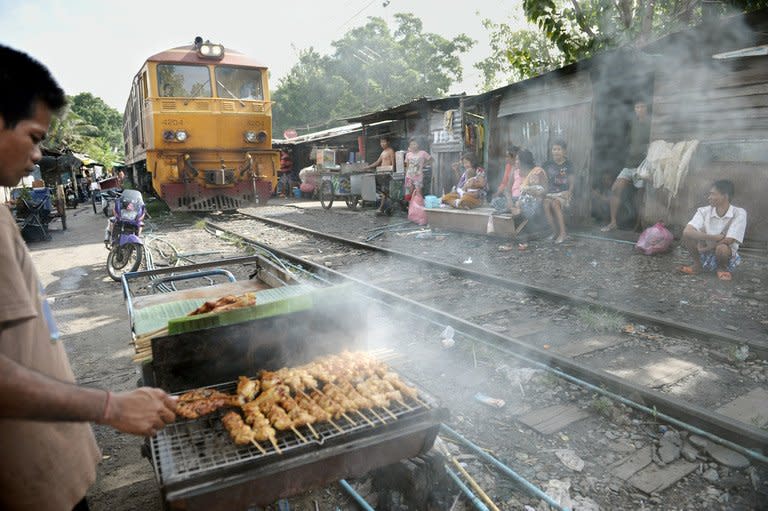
<point x="239" y="83"/>
<point x="175" y="81"/>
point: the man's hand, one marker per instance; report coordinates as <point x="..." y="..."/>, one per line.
<point x="143" y="411"/>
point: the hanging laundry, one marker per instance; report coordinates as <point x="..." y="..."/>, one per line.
<point x="448" y="120"/>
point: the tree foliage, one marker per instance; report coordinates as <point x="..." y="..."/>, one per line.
<point x="516" y="55"/>
<point x="94" y="111"/>
<point x="371" y="67"/>
<point x="88" y="125"/>
<point x="571" y="30"/>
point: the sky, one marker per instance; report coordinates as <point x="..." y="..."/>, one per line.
<point x="98" y="47"/>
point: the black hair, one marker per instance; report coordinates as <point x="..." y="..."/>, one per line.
<point x="725" y="187"/>
<point x="415" y="139"/>
<point x="513" y="150"/>
<point x="385" y="137"/>
<point x="562" y="143"/>
<point x="23" y="82"/>
<point x="472" y="159"/>
<point x="526" y="159"/>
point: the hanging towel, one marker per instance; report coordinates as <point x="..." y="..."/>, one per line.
<point x="667" y="164"/>
<point x="448" y="120"/>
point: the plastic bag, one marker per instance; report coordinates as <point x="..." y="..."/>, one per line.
<point x="654" y="240"/>
<point x="416" y="212"/>
<point x="529" y="205"/>
<point x="431" y="201"/>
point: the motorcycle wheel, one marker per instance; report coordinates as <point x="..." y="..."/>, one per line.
<point x="124" y="259"/>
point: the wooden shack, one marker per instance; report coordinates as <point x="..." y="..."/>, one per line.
<point x="425" y="119"/>
<point x="589" y="104"/>
<point x="711" y="85"/>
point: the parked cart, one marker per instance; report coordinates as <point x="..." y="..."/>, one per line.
<point x="354" y="186"/>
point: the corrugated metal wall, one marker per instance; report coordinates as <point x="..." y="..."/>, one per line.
<point x="445" y="148"/>
<point x="564" y="110"/>
<point x="724" y="104"/>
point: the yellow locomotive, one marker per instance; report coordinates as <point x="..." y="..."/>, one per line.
<point x="198" y="129"/>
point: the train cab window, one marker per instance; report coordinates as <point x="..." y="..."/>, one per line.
<point x="175" y="81"/>
<point x="239" y="83"/>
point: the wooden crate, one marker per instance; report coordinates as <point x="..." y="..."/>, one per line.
<point x="473" y="221"/>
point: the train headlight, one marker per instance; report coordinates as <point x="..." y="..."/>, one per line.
<point x="250" y="136"/>
<point x="210" y="51"/>
<point x="261" y="137"/>
<point x="181" y="136"/>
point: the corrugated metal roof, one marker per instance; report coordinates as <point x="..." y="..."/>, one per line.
<point x="326" y="134"/>
<point x="407" y="109"/>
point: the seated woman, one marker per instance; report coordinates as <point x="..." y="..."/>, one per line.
<point x="509" y="190"/>
<point x="469" y="193"/>
<point x="561" y="182"/>
<point x="533" y="187"/>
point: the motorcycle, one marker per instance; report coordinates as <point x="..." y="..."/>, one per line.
<point x="122" y="236"/>
<point x="71" y="198"/>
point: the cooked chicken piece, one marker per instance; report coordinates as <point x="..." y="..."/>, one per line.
<point x="196" y="403"/>
<point x="247" y="389"/>
<point x="241" y="433"/>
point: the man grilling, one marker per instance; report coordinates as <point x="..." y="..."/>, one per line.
<point x="48" y="448"/>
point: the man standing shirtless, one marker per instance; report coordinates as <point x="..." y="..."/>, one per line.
<point x="385" y="163"/>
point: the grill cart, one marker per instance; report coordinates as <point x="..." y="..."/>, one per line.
<point x="196" y="463"/>
<point x="353" y="185"/>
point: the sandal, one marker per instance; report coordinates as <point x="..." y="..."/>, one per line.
<point x="724" y="275"/>
<point x="687" y="270"/>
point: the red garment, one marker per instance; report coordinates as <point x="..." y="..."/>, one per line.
<point x="505" y="180"/>
<point x="286" y="163"/>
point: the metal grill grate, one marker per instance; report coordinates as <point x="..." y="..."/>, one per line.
<point x="190" y="448"/>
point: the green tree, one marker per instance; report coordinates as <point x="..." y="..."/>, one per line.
<point x="571" y="30"/>
<point x="107" y="121"/>
<point x="69" y="131"/>
<point x="516" y="55"/>
<point x="372" y="67"/>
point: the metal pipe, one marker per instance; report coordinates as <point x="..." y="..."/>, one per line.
<point x="466" y="491"/>
<point x="356" y="496"/>
<point x="528" y="486"/>
<point x="601" y="238"/>
<point x="474" y="484"/>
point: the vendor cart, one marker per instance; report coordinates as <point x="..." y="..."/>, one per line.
<point x="197" y="465"/>
<point x="354" y="186"/>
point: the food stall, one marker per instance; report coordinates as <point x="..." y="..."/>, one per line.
<point x="348" y="180"/>
<point x="209" y="459"/>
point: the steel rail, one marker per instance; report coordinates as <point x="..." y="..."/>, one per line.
<point x="735" y="433"/>
<point x="759" y="347"/>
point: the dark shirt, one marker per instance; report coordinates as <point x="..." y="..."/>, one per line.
<point x="639" y="135"/>
<point x="558" y="175"/>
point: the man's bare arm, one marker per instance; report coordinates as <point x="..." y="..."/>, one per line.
<point x="27" y="394"/>
<point x="693" y="233"/>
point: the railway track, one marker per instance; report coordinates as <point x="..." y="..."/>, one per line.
<point x="544" y="324"/>
<point x="537" y="327"/>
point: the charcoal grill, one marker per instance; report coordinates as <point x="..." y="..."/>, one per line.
<point x="199" y="467"/>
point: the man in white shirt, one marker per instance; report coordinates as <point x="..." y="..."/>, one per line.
<point x="713" y="235"/>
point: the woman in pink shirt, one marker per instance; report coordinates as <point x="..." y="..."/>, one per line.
<point x="415" y="161"/>
<point x="509" y="189"/>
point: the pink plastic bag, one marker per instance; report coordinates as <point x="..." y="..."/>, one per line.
<point x="654" y="240"/>
<point x="416" y="212"/>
